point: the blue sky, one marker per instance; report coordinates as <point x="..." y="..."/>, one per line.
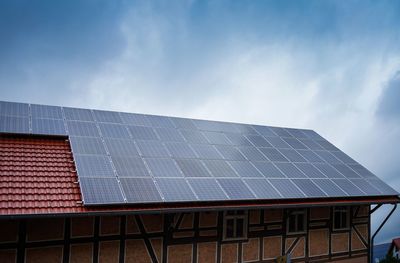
<point x="333" y="66"/>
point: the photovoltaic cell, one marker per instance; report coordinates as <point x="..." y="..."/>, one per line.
<point x="292" y="155"/>
<point x="216" y="138"/>
<point x="296" y="144"/>
<point x="296" y="133"/>
<point x="121" y="147"/>
<point x="245" y="129"/>
<point x="286" y="188"/>
<point x="46" y="112"/>
<point x="237" y="139"/>
<point x="365" y="187"/>
<point x="290" y="170"/>
<point x="169" y="135"/>
<point x="219" y="168"/>
<point x="82" y="128"/>
<point x="183" y="123"/>
<point x="215" y="126"/>
<point x="12" y="124"/>
<point x="180" y="150"/>
<point x="163" y="167"/>
<point x="268" y="170"/>
<point x="311" y="144"/>
<point x="235" y="189"/>
<point x="245" y="169"/>
<point x="281" y="132"/>
<point x="111" y="130"/>
<point x="312" y="135"/>
<point x="194" y="136"/>
<point x="309" y="170"/>
<point x="311" y="156"/>
<point x="87" y="145"/>
<point x="100" y="191"/>
<point x="308" y="188"/>
<point x="348" y="187"/>
<point x="159" y="121"/>
<point x="258" y="141"/>
<point x="135" y="119"/>
<point x="93" y="166"/>
<point x="78" y="114"/>
<point x="205" y="151"/>
<point x="346" y="171"/>
<point x="252" y="153"/>
<point x="273" y="155"/>
<point x="14" y="109"/>
<point x="343" y="157"/>
<point x="264" y="131"/>
<point x="174" y="189"/>
<point x="130" y="166"/>
<point x="331" y="189"/>
<point x="107" y="116"/>
<point x="327" y="145"/>
<point x="192" y="168"/>
<point x="262" y="188"/>
<point x="152" y="149"/>
<point x="364" y="172"/>
<point x="140" y="190"/>
<point x="142" y="133"/>
<point x="48" y="127"/>
<point x="229" y="153"/>
<point x="328" y="170"/>
<point x="327" y="157"/>
<point x="277" y="142"/>
<point x="382" y="187"/>
<point x="207" y="189"/>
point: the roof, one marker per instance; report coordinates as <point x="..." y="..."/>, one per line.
<point x="134" y="159"/>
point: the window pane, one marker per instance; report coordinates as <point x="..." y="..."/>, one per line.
<point x="300" y="223"/>
<point x="229" y="228"/>
<point x="292" y="223"/>
<point x="240" y="227"/>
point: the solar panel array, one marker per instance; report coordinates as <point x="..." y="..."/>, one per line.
<point x="135" y="158"/>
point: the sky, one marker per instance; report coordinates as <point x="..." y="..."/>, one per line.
<point x="331" y="66"/>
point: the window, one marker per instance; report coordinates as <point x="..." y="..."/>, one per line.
<point x="235" y="225"/>
<point x="341" y="218"/>
<point x="296" y="222"/>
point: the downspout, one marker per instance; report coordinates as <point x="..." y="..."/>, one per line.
<point x="371" y="248"/>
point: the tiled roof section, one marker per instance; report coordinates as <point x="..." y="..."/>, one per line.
<point x="37" y="176"/>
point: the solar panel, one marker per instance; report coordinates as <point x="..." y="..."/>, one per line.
<point x="48" y="127"/>
<point x="362" y="171"/>
<point x="366" y="187"/>
<point x="273" y="155"/>
<point x="245" y="169"/>
<point x="296" y="133"/>
<point x="346" y="171"/>
<point x="87" y="145"/>
<point x="140" y="190"/>
<point x="192" y="168"/>
<point x="163" y="167"/>
<point x="277" y="142"/>
<point x="281" y="132"/>
<point x="252" y="153"/>
<point x="258" y="141"/>
<point x="205" y="151"/>
<point x="311" y="144"/>
<point x="327" y="145"/>
<point x="214" y="126"/>
<point x="312" y="135"/>
<point x="290" y="170"/>
<point x="193" y="136"/>
<point x="46" y="112"/>
<point x="382" y="187"/>
<point x="329" y="187"/>
<point x="152" y="149"/>
<point x="263" y="130"/>
<point x="14" y="109"/>
<point x="262" y="189"/>
<point x="159" y="121"/>
<point x="78" y="114"/>
<point x="310" y="156"/>
<point x="343" y="157"/>
<point x="309" y="170"/>
<point x="82" y="128"/>
<point x="142" y="133"/>
<point x="174" y="189"/>
<point x="268" y="170"/>
<point x="207" y="189"/>
<point x="230" y="152"/>
<point x="169" y="135"/>
<point x="245" y="129"/>
<point x="11" y="124"/>
<point x="180" y="150"/>
<point x="235" y="189"/>
<point x="286" y="188"/>
<point x="219" y="168"/>
<point x="111" y="130"/>
<point x="135" y="119"/>
<point x="296" y="144"/>
<point x="327" y="157"/>
<point x="216" y="138"/>
<point x="328" y="170"/>
<point x="130" y="166"/>
<point x="348" y="187"/>
<point x="183" y="123"/>
<point x="308" y="188"/>
<point x="237" y="139"/>
<point x="107" y="116"/>
<point x="121" y="147"/>
<point x="93" y="166"/>
<point x="97" y="191"/>
<point x="292" y="155"/>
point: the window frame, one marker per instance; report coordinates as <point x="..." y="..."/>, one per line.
<point x="297" y="212"/>
<point x="341" y="209"/>
<point x="235" y="217"/>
